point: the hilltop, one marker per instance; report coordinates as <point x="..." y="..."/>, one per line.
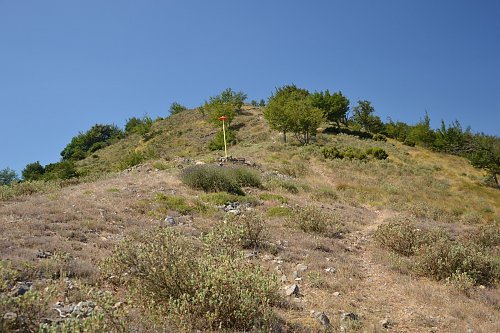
<point x="406" y="243"/>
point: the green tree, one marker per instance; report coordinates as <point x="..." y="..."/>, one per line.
<point x="224" y="104"/>
<point x="33" y="171"/>
<point x="60" y="170"/>
<point x="363" y="116"/>
<point x="334" y="106"/>
<point x="7" y="176"/>
<point x="422" y="133"/>
<point x="95" y="138"/>
<point x="176" y="108"/>
<point x="485" y="154"/>
<point x="451" y="139"/>
<point x="291" y="109"/>
<point x="138" y="125"/>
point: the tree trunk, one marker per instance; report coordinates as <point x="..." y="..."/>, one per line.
<point x="284" y="136"/>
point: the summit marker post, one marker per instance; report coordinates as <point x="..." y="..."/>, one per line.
<point x="223" y="119"/>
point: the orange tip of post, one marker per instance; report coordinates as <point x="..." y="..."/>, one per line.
<point x="223" y="118"/>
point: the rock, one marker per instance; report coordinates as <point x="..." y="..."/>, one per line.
<point x="336" y="294"/>
<point x="330" y="270"/>
<point x="234" y="211"/>
<point x="292" y="290"/>
<point x="43" y="254"/>
<point x="323" y="319"/>
<point x="170" y="220"/>
<point x="348" y="316"/>
<point x="10" y="316"/>
<point x="301" y="268"/>
<point x="385" y="323"/>
<point x="283" y="278"/>
<point x="469" y="330"/>
<point x="83" y="309"/>
<point x="251" y="255"/>
<point x="21" y="288"/>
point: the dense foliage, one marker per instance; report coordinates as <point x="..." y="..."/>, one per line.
<point x="224" y="104"/>
<point x="291" y="109"/>
<point x="97" y="137"/>
<point x="7" y="176"/>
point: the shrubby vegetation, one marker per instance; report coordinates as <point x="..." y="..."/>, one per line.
<point x="437" y="255"/>
<point x="140" y="126"/>
<point x="176" y="108"/>
<point x="211" y="178"/>
<point x="204" y="286"/>
<point x="354" y="153"/>
<point x="291" y="110"/>
<point x="60" y="170"/>
<point x="97" y="137"/>
<point x="8" y="176"/>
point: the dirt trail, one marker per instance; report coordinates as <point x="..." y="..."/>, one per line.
<point x="384" y="290"/>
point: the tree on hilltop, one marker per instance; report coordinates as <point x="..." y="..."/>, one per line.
<point x="364" y="116"/>
<point x="335" y="106"/>
<point x="7" y="176"/>
<point x="224" y="104"/>
<point x="290" y="109"/>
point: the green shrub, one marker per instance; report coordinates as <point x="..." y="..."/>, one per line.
<point x="332" y="153"/>
<point x="217" y="143"/>
<point x="378" y="153"/>
<point x="138" y="125"/>
<point x="131" y="159"/>
<point x="444" y="258"/>
<point x="401" y="238"/>
<point x="379" y="137"/>
<point x="220" y="179"/>
<point x="192" y="286"/>
<point x="176" y="108"/>
<point x="310" y="219"/>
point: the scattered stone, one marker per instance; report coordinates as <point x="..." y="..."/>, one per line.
<point x="301" y="268"/>
<point x="323" y="319"/>
<point x="251" y="255"/>
<point x="83" y="309"/>
<point x="21" y="288"/>
<point x="292" y="290"/>
<point x="43" y="254"/>
<point x="385" y="323"/>
<point x="283" y="278"/>
<point x="469" y="330"/>
<point x="330" y="270"/>
<point x="348" y="316"/>
<point x="10" y="316"/>
<point x="336" y="294"/>
<point x="118" y="305"/>
<point x="170" y="220"/>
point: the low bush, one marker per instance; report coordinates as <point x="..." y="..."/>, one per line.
<point x="438" y="256"/>
<point x="444" y="258"/>
<point x="313" y="220"/>
<point x="401" y="238"/>
<point x="173" y="202"/>
<point x="217" y="143"/>
<point x="191" y="285"/>
<point x="220" y="179"/>
<point x="354" y="153"/>
<point x="378" y="153"/>
<point x="379" y="137"/>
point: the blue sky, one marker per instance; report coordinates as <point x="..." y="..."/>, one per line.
<point x="66" y="65"/>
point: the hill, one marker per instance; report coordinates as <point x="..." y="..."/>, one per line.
<point x="403" y="244"/>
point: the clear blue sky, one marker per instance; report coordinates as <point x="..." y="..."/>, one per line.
<point x="66" y="65"/>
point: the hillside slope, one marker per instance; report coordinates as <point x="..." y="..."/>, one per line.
<point x="54" y="243"/>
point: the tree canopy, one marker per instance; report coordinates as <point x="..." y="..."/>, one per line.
<point x="7" y="176"/>
<point x="291" y="109"/>
<point x="99" y="136"/>
<point x="364" y="116"/>
<point x="334" y="106"/>
<point x="224" y="104"/>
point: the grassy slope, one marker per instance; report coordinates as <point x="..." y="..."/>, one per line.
<point x="86" y="220"/>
